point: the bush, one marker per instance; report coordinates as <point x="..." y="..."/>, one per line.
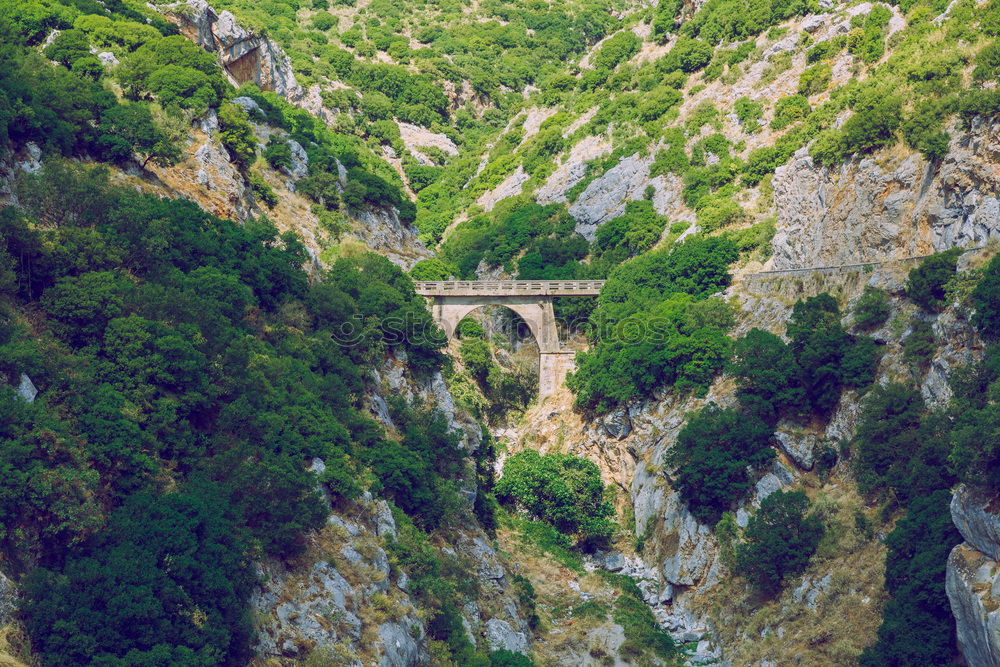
<point x="262" y="190"/>
<point x="323" y="21"/>
<point x="788" y="110"/>
<point x="872" y="308"/>
<point x="780" y="538"/>
<point x="278" y="153"/>
<point x="687" y="55"/>
<point x="815" y="79"/>
<point x="749" y="113"/>
<point x="562" y="490"/>
<point x="432" y="269"/>
<point x="711" y="457"/>
<point x="986" y="300"/>
<point x="616" y="50"/>
<point x="237" y="135"/>
<point x="718" y="212"/>
<point x="919" y="346"/>
<point x="926" y="283"/>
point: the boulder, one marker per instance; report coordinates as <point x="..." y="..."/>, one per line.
<point x="974" y="512"/>
<point x="500" y="636"/>
<point x="399" y="647"/>
<point x="26" y="389"/>
<point x="798" y="447"/>
<point x="617" y="424"/>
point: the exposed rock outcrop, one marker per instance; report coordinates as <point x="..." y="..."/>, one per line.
<point x="973" y="586"/>
<point x="244" y="55"/>
<point x="893" y="205"/>
<point x="975" y="513"/>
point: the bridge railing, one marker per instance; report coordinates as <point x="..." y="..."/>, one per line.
<point x="509" y="287"/>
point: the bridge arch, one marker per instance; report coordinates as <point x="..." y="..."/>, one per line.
<point x="538" y="315"/>
<point x="531" y="300"/>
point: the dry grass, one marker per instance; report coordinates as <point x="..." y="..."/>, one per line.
<point x="847" y="613"/>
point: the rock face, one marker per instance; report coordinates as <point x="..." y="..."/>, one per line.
<point x="500" y="636"/>
<point x="895" y="206"/>
<point x="973" y="575"/>
<point x="973" y="586"/>
<point x="244" y="56"/>
<point x="799" y="448"/>
<point x="605" y="197"/>
<point x="974" y="514"/>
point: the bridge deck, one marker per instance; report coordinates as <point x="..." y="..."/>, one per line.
<point x="484" y="288"/>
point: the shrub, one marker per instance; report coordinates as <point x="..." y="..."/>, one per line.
<point x="237" y="135"/>
<point x="262" y="190"/>
<point x="926" y="283"/>
<point x="687" y="55"/>
<point x="872" y="127"/>
<point x="711" y="457"/>
<point x="432" y="269"/>
<point x="278" y="153"/>
<point x="749" y="112"/>
<point x="815" y="79"/>
<point x="616" y="49"/>
<point x="986" y="299"/>
<point x="919" y="345"/>
<point x="780" y="538"/>
<point x="719" y="212"/>
<point x="872" y="308"/>
<point x="68" y="47"/>
<point x="788" y="110"/>
<point x="323" y="21"/>
<point x="562" y="490"/>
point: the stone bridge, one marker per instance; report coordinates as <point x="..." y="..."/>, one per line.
<point x="531" y="299"/>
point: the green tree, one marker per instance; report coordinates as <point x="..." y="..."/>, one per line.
<point x="872" y="308"/>
<point x="711" y="457"/>
<point x="166" y="582"/>
<point x="768" y="379"/>
<point x="129" y="129"/>
<point x="779" y="540"/>
<point x="926" y="283"/>
<point x="83" y="305"/>
<point x="917" y="625"/>
<point x="986" y="298"/>
<point x="68" y="47"/>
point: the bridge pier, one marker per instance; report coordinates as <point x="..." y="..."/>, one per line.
<point x="553" y="367"/>
<point x="532" y="300"/>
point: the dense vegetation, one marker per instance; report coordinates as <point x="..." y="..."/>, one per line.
<point x="654" y="325"/>
<point x="191" y="371"/>
<point x="204" y="363"/>
<point x="562" y="490"/>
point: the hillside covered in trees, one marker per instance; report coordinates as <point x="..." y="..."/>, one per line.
<point x="231" y="432"/>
